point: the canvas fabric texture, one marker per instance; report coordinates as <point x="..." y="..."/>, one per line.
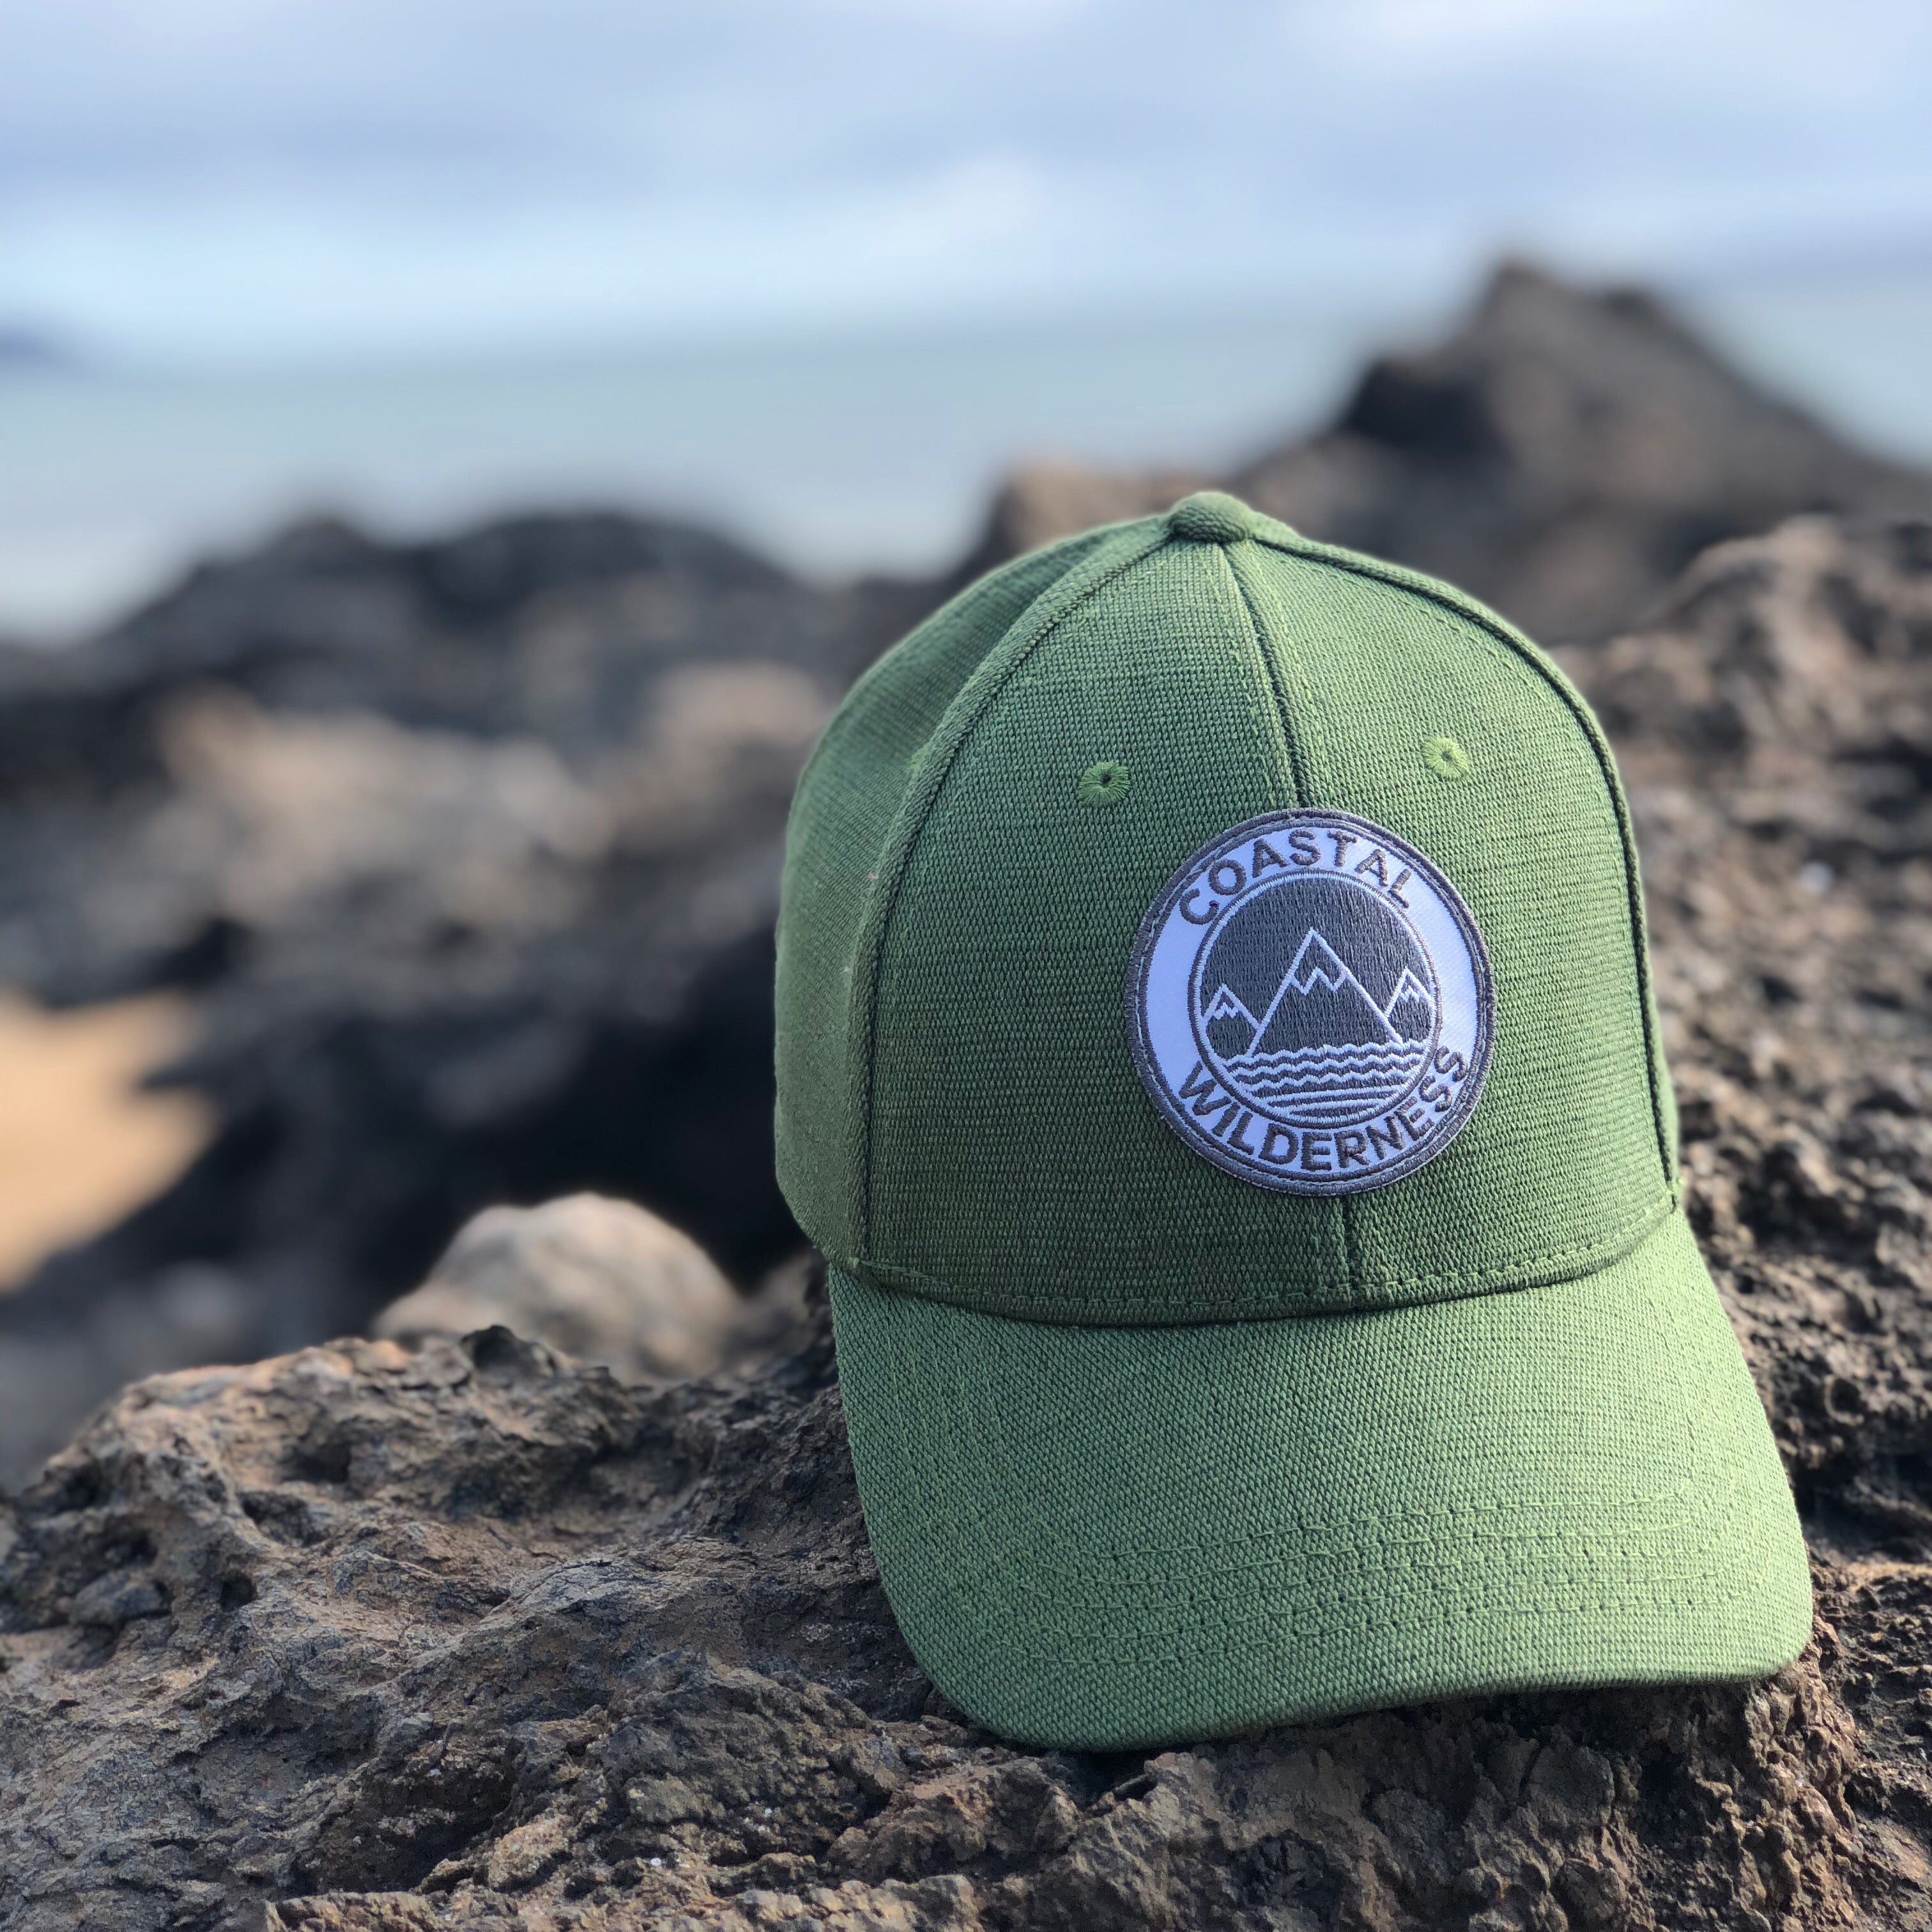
<point x="1115" y="1411"/>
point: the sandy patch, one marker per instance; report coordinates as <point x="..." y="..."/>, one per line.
<point x="80" y="1145"/>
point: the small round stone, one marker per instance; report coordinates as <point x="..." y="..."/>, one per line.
<point x="1210" y="516"/>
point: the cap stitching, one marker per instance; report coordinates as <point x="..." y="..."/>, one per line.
<point x="1610" y="1247"/>
<point x="1271" y="684"/>
<point x="846" y="718"/>
<point x="1120" y="1558"/>
<point x="1506" y="1608"/>
<point x="1053" y="563"/>
<point x="1248" y="1715"/>
<point x="1532" y="660"/>
<point x="1720" y="1508"/>
<point x="1383" y="1555"/>
<point x="1436" y="1530"/>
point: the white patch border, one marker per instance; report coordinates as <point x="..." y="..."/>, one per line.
<point x="1153" y="1049"/>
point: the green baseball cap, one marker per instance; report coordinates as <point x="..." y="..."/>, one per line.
<point x="1217" y="1056"/>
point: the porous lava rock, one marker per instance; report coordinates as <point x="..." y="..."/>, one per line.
<point x="378" y="1639"/>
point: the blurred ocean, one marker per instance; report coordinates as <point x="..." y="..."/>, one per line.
<point x="836" y="456"/>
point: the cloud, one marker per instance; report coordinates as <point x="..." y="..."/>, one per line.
<point x="291" y="177"/>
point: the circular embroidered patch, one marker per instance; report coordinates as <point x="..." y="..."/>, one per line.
<point x="1309" y="1004"/>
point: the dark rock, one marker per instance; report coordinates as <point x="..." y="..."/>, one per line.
<point x="1565" y="457"/>
<point x="1776" y="739"/>
<point x="324" y="615"/>
<point x="551" y="629"/>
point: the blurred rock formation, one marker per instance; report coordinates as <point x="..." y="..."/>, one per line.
<point x="469" y="849"/>
<point x="1041" y="502"/>
<point x="470" y="852"/>
<point x="1562" y="457"/>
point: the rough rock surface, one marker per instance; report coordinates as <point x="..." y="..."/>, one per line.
<point x="382" y="1640"/>
<point x="601" y="1280"/>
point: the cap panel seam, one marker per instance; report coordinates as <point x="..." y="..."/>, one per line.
<point x="1045" y="568"/>
<point x="930" y="770"/>
<point x="1297" y="756"/>
<point x="1523" y="1273"/>
<point x="1532" y="662"/>
<point x="851" y="714"/>
<point x="1271" y="684"/>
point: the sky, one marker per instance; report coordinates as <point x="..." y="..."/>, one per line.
<point x="256" y="181"/>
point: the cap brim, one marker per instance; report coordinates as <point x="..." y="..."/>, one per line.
<point x="1104" y="1538"/>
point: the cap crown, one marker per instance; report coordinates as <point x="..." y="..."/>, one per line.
<point x="959" y="1113"/>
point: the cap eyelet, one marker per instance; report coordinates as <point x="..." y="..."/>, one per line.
<point x="1103" y="783"/>
<point x="1446" y="758"/>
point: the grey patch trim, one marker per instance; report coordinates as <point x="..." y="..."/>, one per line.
<point x="1162" y="1089"/>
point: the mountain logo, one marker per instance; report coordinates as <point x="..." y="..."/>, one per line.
<point x="1310" y="1004"/>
